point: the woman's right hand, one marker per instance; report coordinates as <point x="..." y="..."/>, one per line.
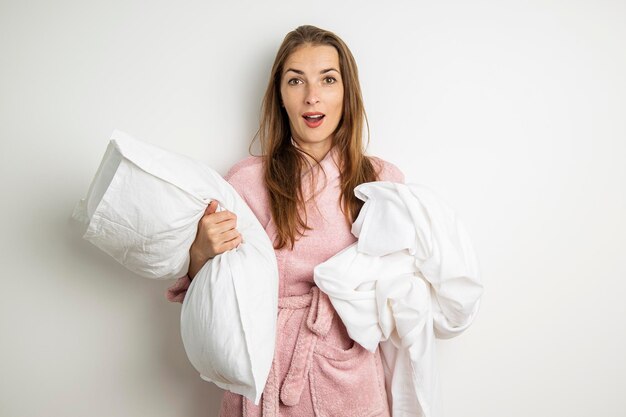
<point x="216" y="234"/>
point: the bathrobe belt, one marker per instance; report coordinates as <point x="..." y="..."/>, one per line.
<point x="315" y="323"/>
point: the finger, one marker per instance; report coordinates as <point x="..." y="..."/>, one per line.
<point x="211" y="207"/>
<point x="221" y="216"/>
<point x="231" y="244"/>
<point x="230" y="235"/>
<point x="236" y="242"/>
<point x="211" y="219"/>
<point x="222" y="227"/>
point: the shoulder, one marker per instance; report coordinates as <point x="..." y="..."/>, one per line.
<point x="386" y="171"/>
<point x="247" y="168"/>
<point x="246" y="177"/>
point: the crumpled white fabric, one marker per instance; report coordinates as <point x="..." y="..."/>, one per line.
<point x="411" y="277"/>
<point x="143" y="208"/>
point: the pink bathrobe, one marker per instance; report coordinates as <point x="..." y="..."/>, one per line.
<point x="317" y="369"/>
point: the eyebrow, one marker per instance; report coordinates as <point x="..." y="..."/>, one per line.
<point x="324" y="71"/>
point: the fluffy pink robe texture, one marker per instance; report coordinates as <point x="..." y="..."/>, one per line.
<point x="317" y="369"/>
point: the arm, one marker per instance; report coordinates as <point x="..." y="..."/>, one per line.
<point x="217" y="234"/>
<point x="204" y="247"/>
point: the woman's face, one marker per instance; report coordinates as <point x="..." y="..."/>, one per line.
<point x="311" y="84"/>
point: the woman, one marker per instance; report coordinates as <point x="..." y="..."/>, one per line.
<point x="301" y="190"/>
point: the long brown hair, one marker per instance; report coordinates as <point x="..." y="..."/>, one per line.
<point x="283" y="162"/>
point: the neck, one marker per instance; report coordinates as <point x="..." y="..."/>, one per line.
<point x="318" y="150"/>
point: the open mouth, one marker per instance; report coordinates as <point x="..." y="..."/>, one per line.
<point x="313" y="119"/>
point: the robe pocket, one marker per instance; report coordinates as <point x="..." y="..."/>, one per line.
<point x="346" y="383"/>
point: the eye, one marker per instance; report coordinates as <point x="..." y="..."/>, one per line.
<point x="293" y="79"/>
<point x="331" y="78"/>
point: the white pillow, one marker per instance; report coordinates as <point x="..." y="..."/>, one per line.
<point x="143" y="208"/>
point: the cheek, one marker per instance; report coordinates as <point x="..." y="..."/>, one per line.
<point x="288" y="102"/>
<point x="288" y="107"/>
<point x="337" y="101"/>
<point x="292" y="114"/>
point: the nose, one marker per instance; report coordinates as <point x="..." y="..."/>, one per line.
<point x="311" y="95"/>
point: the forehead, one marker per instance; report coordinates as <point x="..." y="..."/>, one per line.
<point x="312" y="58"/>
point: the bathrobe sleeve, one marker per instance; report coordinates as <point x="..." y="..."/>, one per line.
<point x="176" y="292"/>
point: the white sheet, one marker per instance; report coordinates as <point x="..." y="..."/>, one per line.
<point x="411" y="277"/>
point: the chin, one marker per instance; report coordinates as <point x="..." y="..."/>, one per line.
<point x="315" y="140"/>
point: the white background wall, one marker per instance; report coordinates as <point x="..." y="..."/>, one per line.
<point x="513" y="111"/>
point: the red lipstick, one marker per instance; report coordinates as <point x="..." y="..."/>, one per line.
<point x="313" y="119"/>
